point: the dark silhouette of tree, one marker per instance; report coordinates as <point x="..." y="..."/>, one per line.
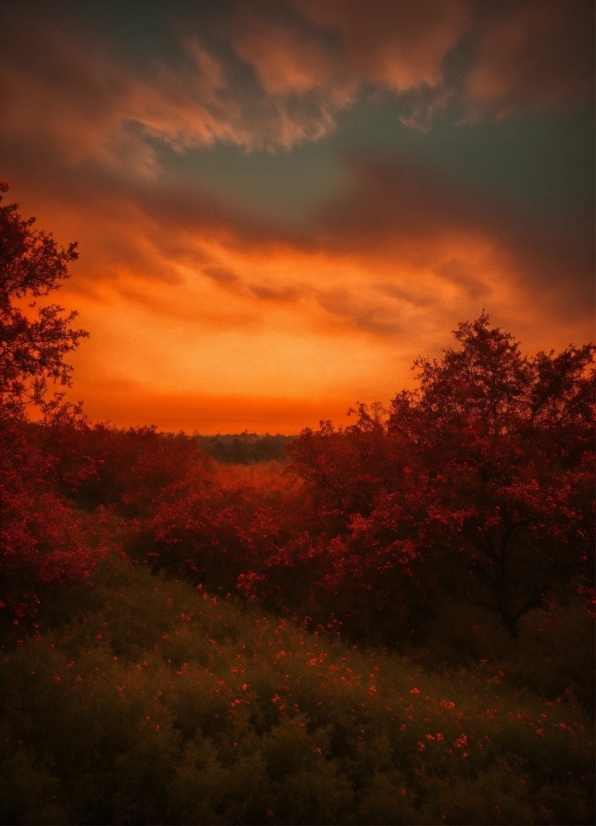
<point x="478" y="485"/>
<point x="41" y="540"/>
<point x="34" y="338"/>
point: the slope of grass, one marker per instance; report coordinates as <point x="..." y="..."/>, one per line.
<point x="141" y="700"/>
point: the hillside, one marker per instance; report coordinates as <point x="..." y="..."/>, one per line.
<point x="143" y="700"/>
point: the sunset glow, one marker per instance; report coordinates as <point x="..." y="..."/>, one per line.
<point x="280" y="206"/>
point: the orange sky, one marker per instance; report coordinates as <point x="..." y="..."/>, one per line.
<point x="217" y="301"/>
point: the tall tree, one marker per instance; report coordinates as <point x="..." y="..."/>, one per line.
<point x="480" y="482"/>
<point x="34" y="338"/>
<point x="41" y="540"/>
<point x="507" y="442"/>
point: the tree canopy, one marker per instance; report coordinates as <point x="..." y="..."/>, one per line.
<point x="34" y="337"/>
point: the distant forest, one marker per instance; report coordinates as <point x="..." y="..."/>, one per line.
<point x="245" y="448"/>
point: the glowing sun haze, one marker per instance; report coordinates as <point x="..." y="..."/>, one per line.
<point x="280" y="205"/>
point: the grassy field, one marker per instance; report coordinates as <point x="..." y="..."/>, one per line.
<point x="142" y="700"/>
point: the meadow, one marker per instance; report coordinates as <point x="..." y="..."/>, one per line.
<point x="139" y="699"/>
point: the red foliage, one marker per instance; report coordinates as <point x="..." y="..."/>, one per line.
<point x="42" y="542"/>
<point x="40" y="539"/>
<point x="222" y="527"/>
<point x="486" y="470"/>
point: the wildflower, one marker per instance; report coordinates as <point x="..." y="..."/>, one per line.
<point x="372" y="691"/>
<point x="439" y="736"/>
<point x="446" y="705"/>
<point x="540" y="732"/>
<point x="421" y="746"/>
<point x="415" y="691"/>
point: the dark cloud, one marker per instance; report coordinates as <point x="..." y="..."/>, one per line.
<point x="397" y="209"/>
<point x="400" y="45"/>
<point x="222" y="275"/>
<point x="84" y="132"/>
<point x="531" y="55"/>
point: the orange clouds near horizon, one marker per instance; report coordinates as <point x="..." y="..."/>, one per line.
<point x="133" y="406"/>
<point x="221" y="324"/>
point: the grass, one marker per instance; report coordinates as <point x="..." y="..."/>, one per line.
<point x="141" y="700"/>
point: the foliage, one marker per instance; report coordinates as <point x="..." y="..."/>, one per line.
<point x="482" y="478"/>
<point x="43" y="542"/>
<point x="155" y="702"/>
<point x="34" y="339"/>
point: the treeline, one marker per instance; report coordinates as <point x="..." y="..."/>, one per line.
<point x="470" y="499"/>
<point x="245" y="448"/>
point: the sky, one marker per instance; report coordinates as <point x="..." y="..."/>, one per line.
<point x="280" y="204"/>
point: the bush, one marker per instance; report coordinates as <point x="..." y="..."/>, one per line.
<point x="157" y="702"/>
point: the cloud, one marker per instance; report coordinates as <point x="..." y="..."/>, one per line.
<point x="284" y="74"/>
<point x="85" y="103"/>
<point x="479" y="57"/>
<point x="329" y="54"/>
<point x="399" y="45"/>
<point x="417" y="217"/>
<point x="531" y="55"/>
<point x="128" y="403"/>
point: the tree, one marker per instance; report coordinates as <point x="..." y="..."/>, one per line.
<point x="34" y="339"/>
<point x="479" y="485"/>
<point x="41" y="539"/>
<point x="507" y="442"/>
